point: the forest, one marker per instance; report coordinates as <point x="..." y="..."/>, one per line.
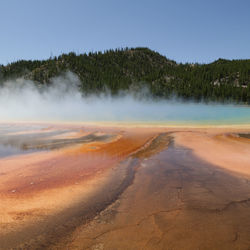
<point x="134" y="68"/>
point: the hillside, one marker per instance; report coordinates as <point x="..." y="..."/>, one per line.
<point x="121" y="69"/>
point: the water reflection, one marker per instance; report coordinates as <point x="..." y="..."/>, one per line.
<point x="19" y="140"/>
<point x="8" y="150"/>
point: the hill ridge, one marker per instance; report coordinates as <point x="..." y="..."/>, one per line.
<point x="119" y="69"/>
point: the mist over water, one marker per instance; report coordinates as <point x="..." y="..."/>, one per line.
<point x="21" y="100"/>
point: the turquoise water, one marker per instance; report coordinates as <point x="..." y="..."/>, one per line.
<point x="175" y="113"/>
<point x="123" y="109"/>
<point x="201" y="113"/>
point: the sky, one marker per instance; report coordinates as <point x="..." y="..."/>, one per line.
<point x="183" y="30"/>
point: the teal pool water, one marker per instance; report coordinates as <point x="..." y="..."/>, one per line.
<point x="173" y="113"/>
<point x="124" y="109"/>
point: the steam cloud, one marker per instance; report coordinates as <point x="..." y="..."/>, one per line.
<point x="21" y="100"/>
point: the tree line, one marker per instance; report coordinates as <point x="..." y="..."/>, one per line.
<point x="122" y="69"/>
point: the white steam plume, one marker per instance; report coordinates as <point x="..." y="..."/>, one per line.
<point x="21" y="100"/>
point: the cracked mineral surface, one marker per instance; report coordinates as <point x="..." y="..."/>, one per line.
<point x="125" y="188"/>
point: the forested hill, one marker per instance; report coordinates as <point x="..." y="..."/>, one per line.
<point x="123" y="69"/>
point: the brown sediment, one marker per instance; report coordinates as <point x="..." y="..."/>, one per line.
<point x="141" y="188"/>
<point x="246" y="135"/>
<point x="67" y="166"/>
<point x="37" y="189"/>
<point x="156" y="145"/>
<point x="41" y="233"/>
<point x="177" y="201"/>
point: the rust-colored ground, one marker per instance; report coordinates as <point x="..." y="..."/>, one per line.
<point x="125" y="188"/>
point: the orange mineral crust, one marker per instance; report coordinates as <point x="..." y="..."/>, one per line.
<point x="71" y="186"/>
<point x="225" y="150"/>
<point x="38" y="184"/>
<point x="25" y="175"/>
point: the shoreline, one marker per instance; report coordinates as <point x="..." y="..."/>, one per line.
<point x="131" y="124"/>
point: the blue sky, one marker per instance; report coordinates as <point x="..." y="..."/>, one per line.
<point x="182" y="30"/>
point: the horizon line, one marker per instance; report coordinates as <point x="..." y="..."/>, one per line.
<point x="119" y="49"/>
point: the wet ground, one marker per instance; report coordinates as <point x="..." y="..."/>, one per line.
<point x="18" y="140"/>
<point x="245" y="136"/>
<point x="176" y="201"/>
<point x="154" y="195"/>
